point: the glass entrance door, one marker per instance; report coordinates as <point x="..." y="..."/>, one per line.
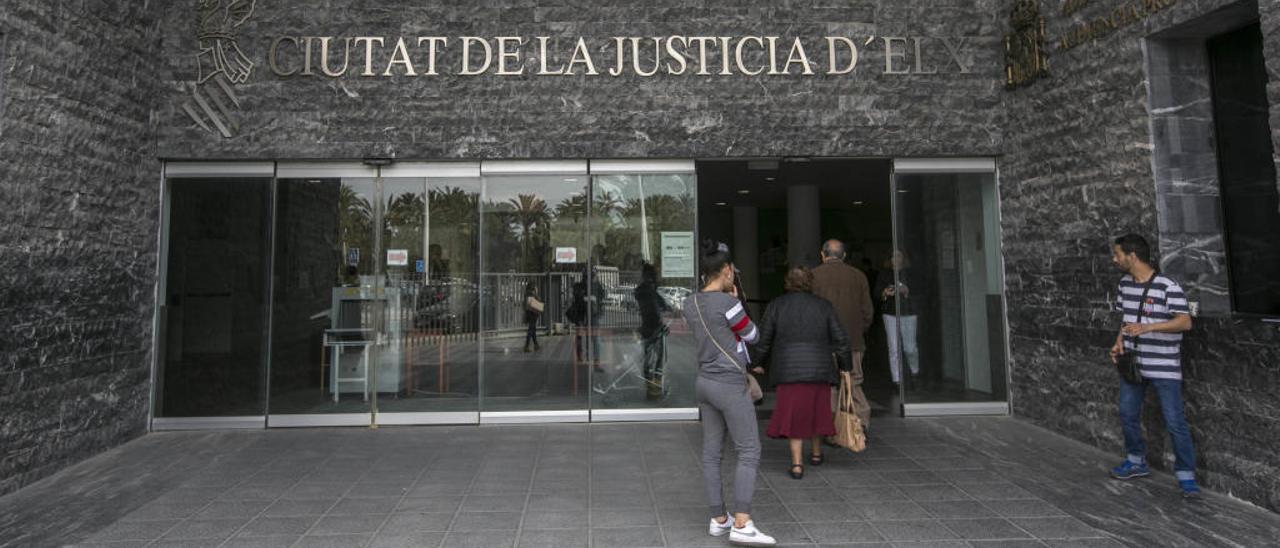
<point x="945" y="300"/>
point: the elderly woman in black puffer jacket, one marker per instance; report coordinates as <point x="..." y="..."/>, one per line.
<point x="802" y="343"/>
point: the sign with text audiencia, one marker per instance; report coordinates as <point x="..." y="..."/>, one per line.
<point x="387" y="56"/>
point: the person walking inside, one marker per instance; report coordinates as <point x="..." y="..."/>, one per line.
<point x="898" y="308"/>
<point x="722" y="330"/>
<point x="532" y="312"/>
<point x="800" y="335"/>
<point x="653" y="330"/>
<point x="1155" y="317"/>
<point x="846" y="288"/>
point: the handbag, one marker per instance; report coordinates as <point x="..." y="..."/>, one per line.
<point x="532" y="303"/>
<point x="753" y="386"/>
<point x="849" y="431"/>
<point x="1127" y="363"/>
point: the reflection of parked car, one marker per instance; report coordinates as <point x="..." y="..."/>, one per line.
<point x="447" y="304"/>
<point x="674" y="296"/>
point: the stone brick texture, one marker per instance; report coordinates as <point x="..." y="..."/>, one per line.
<point x="79" y="181"/>
<point x="1076" y="173"/>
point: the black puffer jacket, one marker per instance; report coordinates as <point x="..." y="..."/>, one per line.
<point x="800" y="334"/>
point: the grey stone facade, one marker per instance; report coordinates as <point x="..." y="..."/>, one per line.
<point x="1077" y="171"/>
<point x="94" y="95"/>
<point x="78" y="177"/>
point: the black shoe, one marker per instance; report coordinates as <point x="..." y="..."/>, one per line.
<point x="817" y="460"/>
<point x="794" y="473"/>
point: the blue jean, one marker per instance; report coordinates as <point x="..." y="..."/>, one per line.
<point x="1170" y="394"/>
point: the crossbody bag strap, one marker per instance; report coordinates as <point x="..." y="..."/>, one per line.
<point x="1142" y="301"/>
<point x="711" y="336"/>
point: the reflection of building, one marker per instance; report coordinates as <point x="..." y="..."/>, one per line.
<point x="207" y="303"/>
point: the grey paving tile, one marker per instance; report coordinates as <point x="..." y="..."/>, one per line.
<point x="628" y="537"/>
<point x="553" y="538"/>
<point x="316" y="491"/>
<point x="932" y="544"/>
<point x="188" y="543"/>
<point x="890" y="510"/>
<point x="958" y="509"/>
<point x="253" y="492"/>
<point x="359" y="506"/>
<point x="557" y="501"/>
<point x="966" y="477"/>
<point x="405" y="522"/>
<point x="675" y="516"/>
<point x="480" y="539"/>
<point x="414" y="540"/>
<point x="340" y="525"/>
<point x="334" y="541"/>
<point x="933" y="492"/>
<point x="817" y="494"/>
<point x="270" y="526"/>
<point x="628" y="517"/>
<point x="618" y="500"/>
<point x="374" y="490"/>
<point x="166" y="510"/>
<point x="494" y="503"/>
<point x="985" y="529"/>
<point x="1024" y="508"/>
<point x="1084" y="543"/>
<point x="825" y="511"/>
<point x="911" y="477"/>
<point x="312" y="507"/>
<point x="448" y="503"/>
<point x="205" y="528"/>
<point x="232" y="509"/>
<point x="261" y="542"/>
<point x="486" y="521"/>
<point x="876" y="493"/>
<point x="787" y="534"/>
<point x="997" y="491"/>
<point x="133" y="530"/>
<point x="914" y="530"/>
<point x="555" y="519"/>
<point x="1020" y="543"/>
<point x="842" y="532"/>
<point x="691" y="536"/>
<point x="1057" y="528"/>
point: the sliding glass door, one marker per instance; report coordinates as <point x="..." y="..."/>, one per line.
<point x="944" y="304"/>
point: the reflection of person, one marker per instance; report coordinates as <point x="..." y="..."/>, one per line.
<point x="653" y="330"/>
<point x="1152" y="329"/>
<point x="801" y="333"/>
<point x="532" y="311"/>
<point x="723" y="394"/>
<point x="899" y="313"/>
<point x="846" y="288"/>
<point x="437" y="264"/>
<point x="586" y="312"/>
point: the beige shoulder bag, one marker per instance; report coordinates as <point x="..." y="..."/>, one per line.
<point x="753" y="387"/>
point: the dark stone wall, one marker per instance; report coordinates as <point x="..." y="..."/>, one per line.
<point x="79" y="183"/>
<point x="1077" y="172"/>
<point x="867" y="113"/>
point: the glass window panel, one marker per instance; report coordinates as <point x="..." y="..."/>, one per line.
<point x="646" y="351"/>
<point x="213" y="318"/>
<point x="431" y="233"/>
<point x="534" y="243"/>
<point x="326" y="297"/>
<point x="943" y="295"/>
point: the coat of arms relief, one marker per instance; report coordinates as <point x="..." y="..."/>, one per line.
<point x="221" y="66"/>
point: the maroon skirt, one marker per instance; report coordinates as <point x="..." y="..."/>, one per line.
<point x="803" y="410"/>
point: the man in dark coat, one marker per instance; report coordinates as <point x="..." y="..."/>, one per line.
<point x="847" y="289"/>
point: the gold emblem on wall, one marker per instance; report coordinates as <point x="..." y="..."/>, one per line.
<point x="1025" y="60"/>
<point x="220" y="65"/>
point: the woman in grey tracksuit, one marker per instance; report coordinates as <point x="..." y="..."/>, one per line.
<point x="722" y="330"/>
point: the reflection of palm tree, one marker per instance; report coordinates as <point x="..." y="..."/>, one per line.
<point x="574" y="207"/>
<point x="356" y="219"/>
<point x="404" y="217"/>
<point x="530" y="214"/>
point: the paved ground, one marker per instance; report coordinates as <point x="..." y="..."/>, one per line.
<point x="935" y="482"/>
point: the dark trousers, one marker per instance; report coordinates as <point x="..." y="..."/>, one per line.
<point x="1169" y="392"/>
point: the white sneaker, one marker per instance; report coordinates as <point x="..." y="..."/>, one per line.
<point x="748" y="535"/>
<point x="718" y="529"/>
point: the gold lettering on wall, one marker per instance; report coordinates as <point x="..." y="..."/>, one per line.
<point x="1118" y="18"/>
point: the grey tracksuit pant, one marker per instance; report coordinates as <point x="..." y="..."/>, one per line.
<point x="728" y="407"/>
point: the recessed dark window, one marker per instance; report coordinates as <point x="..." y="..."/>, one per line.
<point x="1246" y="168"/>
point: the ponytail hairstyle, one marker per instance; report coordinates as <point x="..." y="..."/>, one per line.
<point x="713" y="258"/>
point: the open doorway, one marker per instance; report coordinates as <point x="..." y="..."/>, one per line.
<point x="776" y="212"/>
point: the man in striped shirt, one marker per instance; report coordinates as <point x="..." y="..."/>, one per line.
<point x="1152" y="330"/>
